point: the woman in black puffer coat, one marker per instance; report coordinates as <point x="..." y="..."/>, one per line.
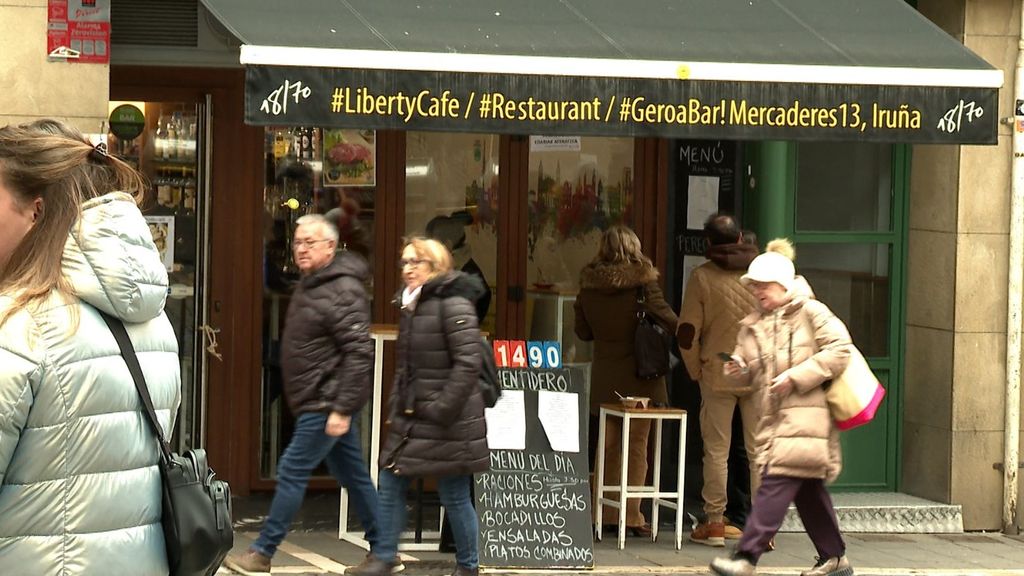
<point x="436" y="411"/>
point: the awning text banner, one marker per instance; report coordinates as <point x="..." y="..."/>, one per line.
<point x="568" y="105"/>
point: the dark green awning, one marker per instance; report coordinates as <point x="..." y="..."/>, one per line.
<point x="788" y="69"/>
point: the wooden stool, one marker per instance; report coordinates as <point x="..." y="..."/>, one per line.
<point x="654" y="491"/>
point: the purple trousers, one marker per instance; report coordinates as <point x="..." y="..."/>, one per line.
<point x="769" y="511"/>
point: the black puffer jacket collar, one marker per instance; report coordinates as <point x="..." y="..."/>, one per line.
<point x="344" y="264"/>
<point x="613" y="276"/>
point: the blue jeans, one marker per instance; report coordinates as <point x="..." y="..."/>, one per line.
<point x="310" y="446"/>
<point x="455" y="497"/>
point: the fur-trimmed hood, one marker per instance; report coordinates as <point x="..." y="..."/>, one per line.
<point x="617" y="275"/>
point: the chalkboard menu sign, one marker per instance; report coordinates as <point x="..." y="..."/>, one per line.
<point x="706" y="180"/>
<point x="534" y="503"/>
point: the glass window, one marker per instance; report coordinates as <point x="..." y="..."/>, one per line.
<point x="165" y="143"/>
<point x="844" y="187"/>
<point x="451" y="194"/>
<point x="853" y="280"/>
<point x="575" y="193"/>
<point x="307" y="171"/>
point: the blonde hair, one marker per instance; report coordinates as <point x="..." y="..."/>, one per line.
<point x="51" y="161"/>
<point x="432" y="251"/>
<point x="620" y="244"/>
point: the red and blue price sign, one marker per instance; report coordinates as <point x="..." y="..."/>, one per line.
<point x="533" y="354"/>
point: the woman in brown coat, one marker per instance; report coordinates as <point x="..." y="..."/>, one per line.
<point x="606" y="313"/>
<point x="789" y="347"/>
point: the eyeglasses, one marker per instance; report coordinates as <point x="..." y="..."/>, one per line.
<point x="411" y="262"/>
<point x="308" y="244"/>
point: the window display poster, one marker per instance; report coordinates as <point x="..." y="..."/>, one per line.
<point x="78" y="30"/>
<point x="162" y="229"/>
<point x="350" y="158"/>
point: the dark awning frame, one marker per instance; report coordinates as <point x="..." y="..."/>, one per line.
<point x="859" y="87"/>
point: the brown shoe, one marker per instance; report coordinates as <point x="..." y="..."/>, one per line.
<point x="252" y="563"/>
<point x="643" y="531"/>
<point x="463" y="571"/>
<point x="709" y="534"/>
<point x="732" y="532"/>
<point x="373" y="566"/>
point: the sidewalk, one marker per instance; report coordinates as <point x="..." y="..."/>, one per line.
<point x="313" y="548"/>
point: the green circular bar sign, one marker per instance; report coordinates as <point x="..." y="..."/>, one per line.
<point x="127" y="122"/>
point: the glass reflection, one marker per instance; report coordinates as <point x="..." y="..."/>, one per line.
<point x="853" y="280"/>
<point x="576" y="191"/>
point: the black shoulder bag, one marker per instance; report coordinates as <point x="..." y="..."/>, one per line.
<point x="196" y="507"/>
<point x="651" y="343"/>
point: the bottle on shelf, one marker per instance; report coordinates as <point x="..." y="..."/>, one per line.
<point x="188" y="197"/>
<point x="177" y="191"/>
<point x="280" y="144"/>
<point x="182" y="145"/>
<point x="191" y="134"/>
<point x="314" y="144"/>
<point x="296" y="143"/>
<point x="164" y="196"/>
<point x="171" y="149"/>
<point x="160" y="139"/>
<point x="307" y="143"/>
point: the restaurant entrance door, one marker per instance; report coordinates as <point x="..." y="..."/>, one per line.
<point x="169" y="142"/>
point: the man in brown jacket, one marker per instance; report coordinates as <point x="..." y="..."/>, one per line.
<point x="714" y="303"/>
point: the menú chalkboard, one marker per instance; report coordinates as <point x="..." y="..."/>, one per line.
<point x="534" y="503"/>
<point x="706" y="176"/>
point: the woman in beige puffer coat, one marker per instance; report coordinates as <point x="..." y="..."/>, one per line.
<point x="789" y="348"/>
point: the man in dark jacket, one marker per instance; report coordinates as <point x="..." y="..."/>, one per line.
<point x="326" y="359"/>
<point x="713" y="305"/>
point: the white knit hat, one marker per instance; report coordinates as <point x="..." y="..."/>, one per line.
<point x="775" y="265"/>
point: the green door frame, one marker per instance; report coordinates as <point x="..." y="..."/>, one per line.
<point x="770" y="206"/>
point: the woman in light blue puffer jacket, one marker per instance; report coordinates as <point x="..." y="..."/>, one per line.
<point x="79" y="485"/>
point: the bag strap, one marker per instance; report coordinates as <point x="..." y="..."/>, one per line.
<point x="132" y="360"/>
<point x="641" y="301"/>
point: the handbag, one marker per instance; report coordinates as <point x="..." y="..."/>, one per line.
<point x="854" y="396"/>
<point x="196" y="515"/>
<point x="651" y="343"/>
<point x="488" y="381"/>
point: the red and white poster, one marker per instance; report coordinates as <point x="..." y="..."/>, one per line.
<point x="79" y="31"/>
